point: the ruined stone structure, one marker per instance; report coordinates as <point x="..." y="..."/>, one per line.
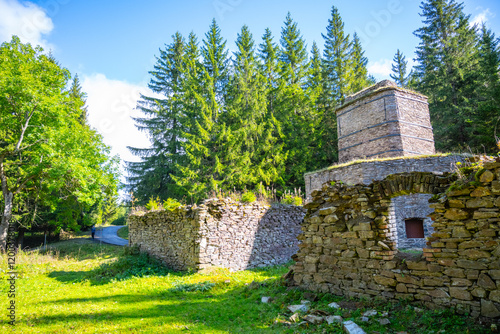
<point x="384" y="121"/>
<point x="348" y="246"/>
<point x="221" y="233"/>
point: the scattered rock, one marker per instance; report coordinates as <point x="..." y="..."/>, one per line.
<point x="314" y="319"/>
<point x="305" y="302"/>
<point x="295" y="317"/>
<point x="334" y="305"/>
<point x="298" y="308"/>
<point x="418" y="310"/>
<point x="350" y="327"/>
<point x="370" y="313"/>
<point x="365" y="319"/>
<point x="384" y="314"/>
<point x="227" y="281"/>
<point x="265" y="300"/>
<point x="310" y="296"/>
<point x="384" y="321"/>
<point x="333" y="319"/>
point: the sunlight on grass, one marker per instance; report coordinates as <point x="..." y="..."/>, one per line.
<point x="83" y="287"/>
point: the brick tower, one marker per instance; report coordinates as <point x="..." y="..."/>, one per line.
<point x="384" y="121"/>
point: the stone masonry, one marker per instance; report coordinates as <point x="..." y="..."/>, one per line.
<point x="384" y="121"/>
<point x="348" y="248"/>
<point x="367" y="171"/>
<point x="221" y="233"/>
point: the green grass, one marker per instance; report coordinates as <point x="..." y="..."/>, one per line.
<point x="123" y="232"/>
<point x="82" y="287"/>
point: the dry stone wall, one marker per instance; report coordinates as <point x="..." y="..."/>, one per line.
<point x="348" y="248"/>
<point x="219" y="233"/>
<point x="367" y="171"/>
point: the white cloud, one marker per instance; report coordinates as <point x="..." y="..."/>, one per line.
<point x="26" y="20"/>
<point x="111" y="104"/>
<point x="481" y="18"/>
<point x="381" y="69"/>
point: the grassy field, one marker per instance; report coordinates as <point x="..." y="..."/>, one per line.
<point x="83" y="287"/>
<point x="123" y="232"/>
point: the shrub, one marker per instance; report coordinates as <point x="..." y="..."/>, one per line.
<point x="248" y="197"/>
<point x="291" y="200"/>
<point x="171" y="204"/>
<point x="186" y="287"/>
<point x="153" y="204"/>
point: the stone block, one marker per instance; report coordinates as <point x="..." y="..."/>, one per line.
<point x="422" y="265"/>
<point x="456" y="214"/>
<point x="474" y="254"/>
<point x="480" y="202"/>
<point x="460" y="232"/>
<point x="486" y="177"/>
<point x="480" y="192"/>
<point x="485" y="282"/>
<point x="385" y="281"/>
<point x="488" y="309"/>
<point x="331" y="219"/>
<point x="456" y="203"/>
<point x="460" y="293"/>
<point x="485" y="215"/>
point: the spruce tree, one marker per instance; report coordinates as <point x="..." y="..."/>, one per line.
<point x="294" y="111"/>
<point x="447" y="72"/>
<point x="164" y="124"/>
<point x="360" y="78"/>
<point x="399" y="70"/>
<point x="254" y="157"/>
<point x="208" y="135"/>
<point x="337" y="65"/>
<point x="487" y="116"/>
<point x="79" y="98"/>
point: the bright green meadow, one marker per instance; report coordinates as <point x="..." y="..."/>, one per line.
<point x="77" y="286"/>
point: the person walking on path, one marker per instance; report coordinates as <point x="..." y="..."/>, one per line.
<point x="92" y="230"/>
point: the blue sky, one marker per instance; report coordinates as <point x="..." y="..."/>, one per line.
<point x="112" y="44"/>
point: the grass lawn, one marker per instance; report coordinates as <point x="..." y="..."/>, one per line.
<point x="82" y="287"/>
<point x="123" y="232"/>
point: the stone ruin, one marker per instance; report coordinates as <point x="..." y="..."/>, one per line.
<point x="361" y="213"/>
<point x="390" y="126"/>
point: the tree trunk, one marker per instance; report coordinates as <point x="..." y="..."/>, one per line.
<point x="20" y="238"/>
<point x="7" y="215"/>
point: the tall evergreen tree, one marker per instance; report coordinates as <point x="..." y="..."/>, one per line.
<point x="360" y="78"/>
<point x="254" y="155"/>
<point x="447" y="71"/>
<point x="399" y="69"/>
<point x="208" y="133"/>
<point x="79" y="98"/>
<point x="164" y="124"/>
<point x="337" y="65"/>
<point x="487" y="115"/>
<point x="293" y="54"/>
<point x="294" y="111"/>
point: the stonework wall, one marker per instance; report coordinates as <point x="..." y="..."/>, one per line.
<point x="219" y="233"/>
<point x="346" y="247"/>
<point x="367" y="171"/>
<point x="384" y="121"/>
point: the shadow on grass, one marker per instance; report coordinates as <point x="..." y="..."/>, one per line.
<point x="123" y="267"/>
<point x="237" y="310"/>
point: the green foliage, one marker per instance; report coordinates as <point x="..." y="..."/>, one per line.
<point x="153" y="204"/>
<point x="248" y="197"/>
<point x="193" y="287"/>
<point x="291" y="200"/>
<point x="171" y="204"/>
<point x="399" y="70"/>
<point x="54" y="169"/>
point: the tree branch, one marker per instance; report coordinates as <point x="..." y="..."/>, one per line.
<point x="23" y="129"/>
